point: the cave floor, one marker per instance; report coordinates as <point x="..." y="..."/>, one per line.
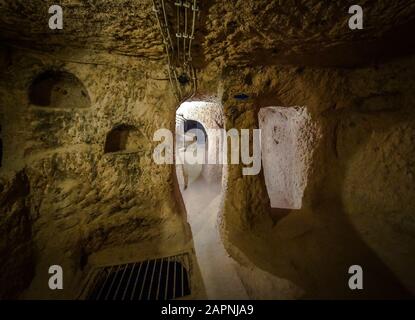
<point x="218" y="271"/>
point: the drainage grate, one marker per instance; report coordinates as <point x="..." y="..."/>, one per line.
<point x="159" y="279"/>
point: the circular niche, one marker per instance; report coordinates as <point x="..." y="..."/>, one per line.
<point x="58" y="89"/>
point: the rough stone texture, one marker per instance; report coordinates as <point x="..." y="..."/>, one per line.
<point x="379" y="197"/>
<point x="81" y="198"/>
<point x="209" y="114"/>
<point x="306" y="32"/>
<point x="63" y="201"/>
<point x="356" y="111"/>
<point x="287" y="138"/>
<point x="309" y="32"/>
<point x="118" y="26"/>
<point x="16" y="245"/>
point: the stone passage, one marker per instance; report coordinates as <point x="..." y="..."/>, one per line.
<point x="158" y="279"/>
<point x="85" y="114"/>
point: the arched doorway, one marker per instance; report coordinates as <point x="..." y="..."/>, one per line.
<point x="197" y="126"/>
<point x="192" y="147"/>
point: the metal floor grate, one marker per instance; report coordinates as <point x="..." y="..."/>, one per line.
<point x="158" y="279"/>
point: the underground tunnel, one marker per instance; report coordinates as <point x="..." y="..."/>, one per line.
<point x="323" y="114"/>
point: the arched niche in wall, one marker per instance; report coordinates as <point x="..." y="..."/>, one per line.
<point x="198" y="129"/>
<point x="58" y="89"/>
<point x="287" y="141"/>
<point x="123" y="138"/>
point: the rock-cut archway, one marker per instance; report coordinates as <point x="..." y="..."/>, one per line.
<point x="58" y="89"/>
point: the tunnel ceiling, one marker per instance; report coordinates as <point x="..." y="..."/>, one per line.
<point x="120" y="26"/>
<point x="306" y="32"/>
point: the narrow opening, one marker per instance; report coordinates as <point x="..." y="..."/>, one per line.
<point x="195" y="128"/>
<point x="196" y="124"/>
<point x="194" y="143"/>
<point x="286" y="152"/>
<point x="202" y="192"/>
<point x="123" y="138"/>
<point x="58" y="89"/>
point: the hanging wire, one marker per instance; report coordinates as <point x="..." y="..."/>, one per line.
<point x="195" y="9"/>
<point x="167" y="25"/>
<point x="157" y="11"/>
<point x="186" y="5"/>
<point x="183" y="58"/>
<point x="178" y="4"/>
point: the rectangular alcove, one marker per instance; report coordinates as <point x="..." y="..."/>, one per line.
<point x="286" y="154"/>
